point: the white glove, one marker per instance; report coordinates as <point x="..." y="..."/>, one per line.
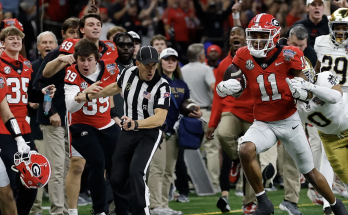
<point x="296" y="89"/>
<point x="230" y="87"/>
<point x="22" y="146"/>
<point x="304" y="84"/>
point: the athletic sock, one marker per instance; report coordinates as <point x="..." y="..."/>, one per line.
<point x="72" y="212"/>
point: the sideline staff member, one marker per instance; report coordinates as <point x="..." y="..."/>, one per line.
<point x="147" y="98"/>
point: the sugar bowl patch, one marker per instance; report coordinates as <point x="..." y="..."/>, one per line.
<point x="111" y="68"/>
<point x="288" y="54"/>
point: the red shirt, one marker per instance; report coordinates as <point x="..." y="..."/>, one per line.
<point x="3" y="87"/>
<point x="273" y="100"/>
<point x="290" y="20"/>
<point x="17" y="94"/>
<point x="96" y="112"/>
<point x="57" y="11"/>
<point x="177" y="18"/>
<point x="242" y="107"/>
<point x="106" y="48"/>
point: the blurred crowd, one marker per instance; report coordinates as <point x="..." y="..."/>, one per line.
<point x="184" y="21"/>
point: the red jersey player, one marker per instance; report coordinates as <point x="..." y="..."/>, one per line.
<point x="90" y="28"/>
<point x="17" y="71"/>
<point x="265" y="66"/>
<point x="93" y="132"/>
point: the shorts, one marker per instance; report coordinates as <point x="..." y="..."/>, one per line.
<point x="290" y="132"/>
<point x="4" y="179"/>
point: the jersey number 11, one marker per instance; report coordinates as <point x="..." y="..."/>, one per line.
<point x="272" y="80"/>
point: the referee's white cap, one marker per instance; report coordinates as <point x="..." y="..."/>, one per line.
<point x="168" y="52"/>
<point x="147" y="55"/>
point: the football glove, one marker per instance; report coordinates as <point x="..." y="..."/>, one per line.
<point x="231" y="87"/>
<point x="304" y="84"/>
<point x="296" y="90"/>
<point x="22" y="146"/>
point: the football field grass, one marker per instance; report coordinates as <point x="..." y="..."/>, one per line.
<point x="206" y="205"/>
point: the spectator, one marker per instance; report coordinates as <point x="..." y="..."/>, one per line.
<point x="113" y="31"/>
<point x="137" y="42"/>
<point x="46" y="41"/>
<point x="159" y="42"/>
<point x="213" y="56"/>
<point x="295" y="13"/>
<point x="10" y="8"/>
<point x="106" y="23"/>
<point x="177" y="17"/>
<point x="125" y="48"/>
<point x="131" y="22"/>
<point x="298" y="37"/>
<point x="200" y="80"/>
<point x="315" y="22"/>
<point x="1" y="13"/>
<point x="85" y="9"/>
<point x="53" y="125"/>
<point x="212" y="19"/>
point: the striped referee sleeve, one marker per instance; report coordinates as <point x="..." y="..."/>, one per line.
<point x="120" y="78"/>
<point x="162" y="97"/>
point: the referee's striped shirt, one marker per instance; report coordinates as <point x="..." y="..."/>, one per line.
<point x="141" y="98"/>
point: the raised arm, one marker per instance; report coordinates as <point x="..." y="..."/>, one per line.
<point x="57" y="64"/>
<point x="154" y="121"/>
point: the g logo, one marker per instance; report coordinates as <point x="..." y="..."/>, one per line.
<point x="275" y="23"/>
<point x="36" y="170"/>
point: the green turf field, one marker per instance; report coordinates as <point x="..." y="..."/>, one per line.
<point x="206" y="205"/>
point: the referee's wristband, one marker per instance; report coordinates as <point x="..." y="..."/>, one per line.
<point x="136" y="125"/>
<point x="87" y="97"/>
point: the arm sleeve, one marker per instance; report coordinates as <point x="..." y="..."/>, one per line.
<point x="70" y="92"/>
<point x="209" y="76"/>
<point x="226" y="13"/>
<point x="237" y="60"/>
<point x="120" y="78"/>
<point x="216" y="109"/>
<point x="322" y="88"/>
<point x="198" y="9"/>
<point x="162" y="97"/>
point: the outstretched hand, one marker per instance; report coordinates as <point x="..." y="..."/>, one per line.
<point x="94" y="88"/>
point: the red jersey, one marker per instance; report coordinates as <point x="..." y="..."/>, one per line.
<point x="177" y="18"/>
<point x="273" y="100"/>
<point x="242" y="107"/>
<point x="3" y="88"/>
<point x="17" y="74"/>
<point x="107" y="48"/>
<point x="95" y="113"/>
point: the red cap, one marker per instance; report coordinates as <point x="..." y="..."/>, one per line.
<point x="103" y="10"/>
<point x="11" y="22"/>
<point x="214" y="48"/>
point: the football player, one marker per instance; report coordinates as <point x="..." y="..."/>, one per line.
<point x="17" y="71"/>
<point x="264" y="65"/>
<point x="332" y="49"/>
<point x="90" y="28"/>
<point x="328" y="112"/>
<point x="93" y="131"/>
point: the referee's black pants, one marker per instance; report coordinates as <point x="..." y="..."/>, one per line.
<point x="97" y="147"/>
<point x="24" y="197"/>
<point x="130" y="162"/>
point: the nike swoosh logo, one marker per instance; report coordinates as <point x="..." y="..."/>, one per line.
<point x="106" y="78"/>
<point x="277" y="64"/>
<point x="293" y="128"/>
<point x="25" y="69"/>
<point x="107" y="53"/>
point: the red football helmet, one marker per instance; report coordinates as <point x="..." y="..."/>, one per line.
<point x="35" y="169"/>
<point x="265" y="23"/>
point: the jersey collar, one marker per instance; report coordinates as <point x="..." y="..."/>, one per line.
<point x="89" y="81"/>
<point x="16" y="65"/>
<point x="263" y="64"/>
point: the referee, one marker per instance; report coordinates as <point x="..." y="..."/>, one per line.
<point x="147" y="98"/>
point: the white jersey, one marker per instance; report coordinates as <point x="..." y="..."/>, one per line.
<point x="327" y="118"/>
<point x="332" y="58"/>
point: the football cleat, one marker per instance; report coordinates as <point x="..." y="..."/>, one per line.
<point x="249" y="208"/>
<point x="35" y="169"/>
<point x="315" y="197"/>
<point x="235" y="172"/>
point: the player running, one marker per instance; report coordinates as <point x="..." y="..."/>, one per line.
<point x="265" y="66"/>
